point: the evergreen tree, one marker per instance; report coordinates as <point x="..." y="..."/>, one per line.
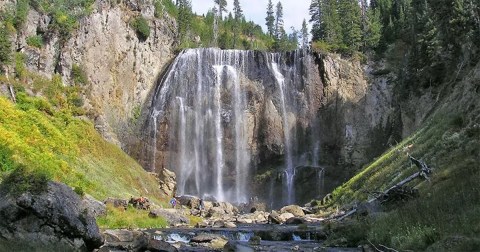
<point x="351" y="24"/>
<point x="293" y="39"/>
<point x="373" y="29"/>
<point x="329" y="22"/>
<point x="270" y="19"/>
<point x="316" y="20"/>
<point x="184" y="19"/>
<point x="238" y="16"/>
<point x="304" y="34"/>
<point x="279" y="30"/>
<point x="220" y="7"/>
<point x="5" y="48"/>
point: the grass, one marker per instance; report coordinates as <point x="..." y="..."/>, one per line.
<point x="129" y="218"/>
<point x="449" y="204"/>
<point x="44" y="138"/>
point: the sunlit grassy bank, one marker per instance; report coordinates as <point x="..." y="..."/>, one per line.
<point x="45" y="137"/>
<point x="446" y="215"/>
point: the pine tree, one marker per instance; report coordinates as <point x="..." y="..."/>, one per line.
<point x="325" y="21"/>
<point x="184" y="19"/>
<point x="373" y="29"/>
<point x="270" y="19"/>
<point x="350" y="23"/>
<point x="316" y="20"/>
<point x="5" y="48"/>
<point x="279" y="30"/>
<point x="220" y="7"/>
<point x="238" y="16"/>
<point x="304" y="34"/>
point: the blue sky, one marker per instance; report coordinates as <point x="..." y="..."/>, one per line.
<point x="294" y="11"/>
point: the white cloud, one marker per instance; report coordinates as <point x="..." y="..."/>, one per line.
<point x="294" y="11"/>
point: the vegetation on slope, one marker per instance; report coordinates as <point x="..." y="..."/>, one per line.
<point x="42" y="137"/>
<point x="445" y="216"/>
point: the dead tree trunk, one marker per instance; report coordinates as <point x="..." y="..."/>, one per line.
<point x="10" y="87"/>
<point x="424" y="172"/>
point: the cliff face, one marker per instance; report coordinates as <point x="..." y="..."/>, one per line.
<point x="121" y="69"/>
<point x="217" y="116"/>
<point x="238" y="123"/>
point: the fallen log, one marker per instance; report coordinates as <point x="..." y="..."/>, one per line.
<point x="424" y="171"/>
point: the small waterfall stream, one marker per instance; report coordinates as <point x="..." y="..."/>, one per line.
<point x="207" y="115"/>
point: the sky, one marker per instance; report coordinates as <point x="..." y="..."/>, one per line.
<point x="294" y="11"/>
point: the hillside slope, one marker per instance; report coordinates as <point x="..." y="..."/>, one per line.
<point x="445" y="215"/>
<point x="42" y="141"/>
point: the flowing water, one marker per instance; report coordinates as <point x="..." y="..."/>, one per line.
<point x="205" y="114"/>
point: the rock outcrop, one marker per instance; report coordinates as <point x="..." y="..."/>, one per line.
<point x="50" y="220"/>
<point x="168" y="182"/>
<point x="174" y="217"/>
<point x="121" y="68"/>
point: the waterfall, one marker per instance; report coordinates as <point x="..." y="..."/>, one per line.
<point x="184" y="173"/>
<point x="289" y="169"/>
<point x="205" y="119"/>
<point x="218" y="130"/>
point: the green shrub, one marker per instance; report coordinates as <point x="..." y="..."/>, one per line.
<point x="141" y="27"/>
<point x="21" y="13"/>
<point x="35" y="41"/>
<point x="20" y="69"/>
<point x="78" y="75"/>
<point x="64" y="23"/>
<point x="321" y="47"/>
<point x="22" y="180"/>
<point x="79" y="191"/>
<point x="162" y="6"/>
<point x="5" y="47"/>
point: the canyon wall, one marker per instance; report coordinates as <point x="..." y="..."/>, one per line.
<point x="121" y="68"/>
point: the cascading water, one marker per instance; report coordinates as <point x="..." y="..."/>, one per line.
<point x="206" y="116"/>
<point x="289" y="169"/>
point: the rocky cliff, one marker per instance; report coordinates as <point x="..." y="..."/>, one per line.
<point x="121" y="68"/>
<point x="293" y="123"/>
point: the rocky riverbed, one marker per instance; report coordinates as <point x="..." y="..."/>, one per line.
<point x="225" y="227"/>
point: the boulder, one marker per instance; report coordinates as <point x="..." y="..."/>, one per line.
<point x="285" y="216"/>
<point x="204" y="237"/>
<point x="142" y="203"/>
<point x="233" y="246"/>
<point x="229" y="224"/>
<point x="189" y="201"/>
<point x="47" y="220"/>
<point x="295" y="221"/>
<point x="274" y="218"/>
<point x="167" y="180"/>
<point x="227" y="207"/>
<point x="160" y="246"/>
<point x="254" y="205"/>
<point x="118" y="203"/>
<point x="207" y="205"/>
<point x="172" y="216"/>
<point x="133" y="240"/>
<point x="218" y="224"/>
<point x="244" y="220"/>
<point x="125" y="239"/>
<point x="201" y="224"/>
<point x="293" y="209"/>
<point x="215" y="212"/>
<point x="93" y="207"/>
